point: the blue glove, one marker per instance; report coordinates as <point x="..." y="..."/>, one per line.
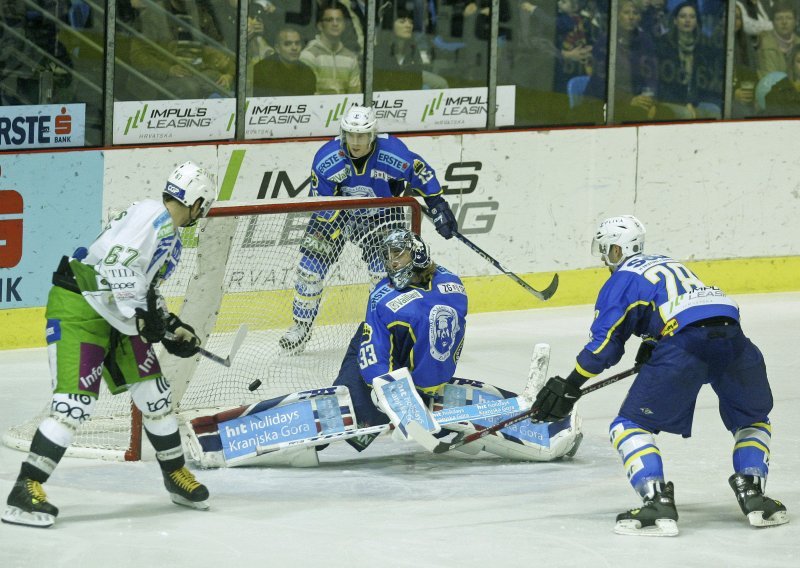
<point x="443" y="218"/>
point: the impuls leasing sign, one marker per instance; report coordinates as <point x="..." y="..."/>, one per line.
<point x="159" y="122"/>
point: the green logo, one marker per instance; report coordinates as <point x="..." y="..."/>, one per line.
<point x="432" y="107"/>
<point x="136" y="119"/>
<point x="336" y="114"/>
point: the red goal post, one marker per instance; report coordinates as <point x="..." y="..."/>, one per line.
<point x="239" y="266"/>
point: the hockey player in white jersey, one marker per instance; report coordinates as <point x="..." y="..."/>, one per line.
<point x="104" y="315"/>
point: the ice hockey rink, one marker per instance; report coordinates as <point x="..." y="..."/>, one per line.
<point x="396" y="505"/>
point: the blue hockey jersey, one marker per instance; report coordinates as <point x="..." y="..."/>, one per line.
<point x="421" y="328"/>
<point x="650" y="296"/>
<point x="384" y="174"/>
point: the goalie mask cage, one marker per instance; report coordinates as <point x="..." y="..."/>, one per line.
<point x="239" y="266"/>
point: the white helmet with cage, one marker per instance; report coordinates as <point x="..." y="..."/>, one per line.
<point x="188" y="183"/>
<point x="625" y="231"/>
<point x="397" y="242"/>
<point x="359" y="120"/>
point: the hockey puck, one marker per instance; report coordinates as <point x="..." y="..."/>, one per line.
<point x="255" y="384"/>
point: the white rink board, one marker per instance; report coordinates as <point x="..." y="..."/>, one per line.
<point x="708" y="191"/>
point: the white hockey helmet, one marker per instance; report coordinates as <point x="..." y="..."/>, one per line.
<point x="189" y="182"/>
<point x="625" y="231"/>
<point x="359" y="120"/>
<point x="397" y="242"/>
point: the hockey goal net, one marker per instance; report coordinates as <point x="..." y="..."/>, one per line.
<point x="239" y="266"/>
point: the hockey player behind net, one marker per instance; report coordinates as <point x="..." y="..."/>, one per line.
<point x="103" y="316"/>
<point x="691" y="336"/>
<point x="415" y="320"/>
<point x="357" y="163"/>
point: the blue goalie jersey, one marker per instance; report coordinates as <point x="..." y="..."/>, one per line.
<point x="385" y="173"/>
<point x="419" y="328"/>
<point x="650" y="296"/>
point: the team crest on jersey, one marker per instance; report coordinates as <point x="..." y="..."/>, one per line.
<point x="314" y="180"/>
<point x="358" y="191"/>
<point x="442" y="332"/>
<point x="403" y="300"/>
<point x="451" y="288"/>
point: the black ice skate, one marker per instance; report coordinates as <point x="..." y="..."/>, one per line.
<point x="657" y="517"/>
<point x="295" y="339"/>
<point x="28" y="505"/>
<point x="759" y="509"/>
<point x="185" y="490"/>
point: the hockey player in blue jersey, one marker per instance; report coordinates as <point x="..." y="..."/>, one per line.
<point x="358" y="163"/>
<point x="691" y="336"/>
<point x="416" y="318"/>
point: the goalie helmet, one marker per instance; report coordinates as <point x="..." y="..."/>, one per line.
<point x="625" y="231"/>
<point x="188" y="183"/>
<point x="359" y="120"/>
<point x="395" y="244"/>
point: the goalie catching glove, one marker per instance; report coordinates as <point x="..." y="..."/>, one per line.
<point x="555" y="400"/>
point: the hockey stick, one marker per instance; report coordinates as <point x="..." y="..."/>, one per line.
<point x="227" y="361"/>
<point x="545" y="294"/>
<point x="424" y="438"/>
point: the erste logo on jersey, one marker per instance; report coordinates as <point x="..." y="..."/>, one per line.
<point x="443" y="330"/>
<point x="403" y="300"/>
<point x="392" y="160"/>
<point x="451" y="288"/>
<point x="327" y="162"/>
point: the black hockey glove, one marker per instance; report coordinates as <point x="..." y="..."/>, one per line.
<point x="186" y="343"/>
<point x="555" y="400"/>
<point x="643" y="355"/>
<point x="150" y="324"/>
<point x="443" y="218"/>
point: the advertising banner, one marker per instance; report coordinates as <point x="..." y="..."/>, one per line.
<point x="42" y="126"/>
<point x="49" y="206"/>
<point x="397" y="111"/>
<point x="159" y="122"/>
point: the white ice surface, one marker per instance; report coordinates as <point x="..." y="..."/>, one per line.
<point x="396" y="506"/>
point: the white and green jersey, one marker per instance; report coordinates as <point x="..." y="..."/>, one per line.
<point x="137" y="246"/>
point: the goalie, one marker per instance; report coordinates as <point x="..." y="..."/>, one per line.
<point x="103" y="316"/>
<point x="415" y="319"/>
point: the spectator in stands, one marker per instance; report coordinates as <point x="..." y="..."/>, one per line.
<point x="398" y="64"/>
<point x="354" y="35"/>
<point x="755" y="19"/>
<point x="573" y="29"/>
<point x="532" y="65"/>
<point x="198" y="66"/>
<point x="655" y="17"/>
<point x="226" y="18"/>
<point x="784" y="97"/>
<point x="337" y="68"/>
<point x="776" y="44"/>
<point x="283" y="74"/>
<point x="636" y="69"/>
<point x="745" y="76"/>
<point x="690" y="69"/>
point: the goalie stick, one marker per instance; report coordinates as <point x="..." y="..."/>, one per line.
<point x="543" y="295"/>
<point x="227" y="361"/>
<point x="426" y="440"/>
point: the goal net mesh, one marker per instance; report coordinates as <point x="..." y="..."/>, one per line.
<point x="240" y="267"/>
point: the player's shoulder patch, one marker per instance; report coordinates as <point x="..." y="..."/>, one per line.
<point x="383" y="289"/>
<point x="451" y="288"/>
<point x="327" y="159"/>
